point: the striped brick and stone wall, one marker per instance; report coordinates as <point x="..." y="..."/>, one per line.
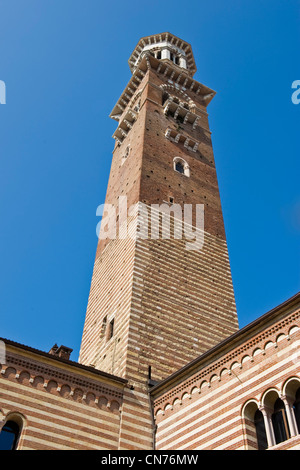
<point x="210" y="404"/>
<point x="58" y="404"/>
<point x="167" y="303"/>
<point x="162" y="363"/>
<point x="152" y="288"/>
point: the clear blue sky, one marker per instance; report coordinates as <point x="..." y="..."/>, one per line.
<point x="64" y="63"/>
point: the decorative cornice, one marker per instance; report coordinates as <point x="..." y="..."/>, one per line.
<point x="59" y="382"/>
<point x="180" y="79"/>
<point x="59" y="362"/>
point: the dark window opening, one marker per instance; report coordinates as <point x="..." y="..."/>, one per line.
<point x="180" y="119"/>
<point x="261" y="436"/>
<point x="104" y="323"/>
<point x="111" y="329"/>
<point x="279" y="421"/>
<point x="9" y="436"/>
<point x="179" y="167"/>
<point x="159" y="55"/>
<point x="296" y="407"/>
<point x="165" y="97"/>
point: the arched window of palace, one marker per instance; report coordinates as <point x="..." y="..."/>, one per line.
<point x="9" y="436"/>
<point x="280" y="422"/>
<point x="296" y="407"/>
<point x="254" y="427"/>
<point x="260" y="430"/>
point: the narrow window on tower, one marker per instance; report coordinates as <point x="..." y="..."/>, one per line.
<point x="111" y="329"/>
<point x="181" y="166"/>
<point x="104" y="323"/>
<point x="126" y="154"/>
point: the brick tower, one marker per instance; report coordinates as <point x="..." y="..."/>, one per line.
<point x="159" y="299"/>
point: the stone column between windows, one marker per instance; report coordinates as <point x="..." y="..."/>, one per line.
<point x="267" y="415"/>
<point x="288" y="403"/>
<point x="182" y="62"/>
<point x="165" y="54"/>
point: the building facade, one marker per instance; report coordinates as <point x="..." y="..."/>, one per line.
<point x="163" y="364"/>
<point x="244" y="394"/>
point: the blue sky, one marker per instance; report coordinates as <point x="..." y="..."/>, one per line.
<point x="64" y="63"/>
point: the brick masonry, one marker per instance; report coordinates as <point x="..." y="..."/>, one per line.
<point x="155" y="288"/>
<point x="206" y="406"/>
<point x="155" y="305"/>
<point x="152" y="287"/>
<point x="58" y="404"/>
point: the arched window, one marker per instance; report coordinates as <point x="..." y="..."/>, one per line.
<point x="296" y="407"/>
<point x="9" y="436"/>
<point x="260" y="430"/>
<point x="181" y="166"/>
<point x="111" y="327"/>
<point x="255" y="431"/>
<point x="125" y="155"/>
<point x="280" y="423"/>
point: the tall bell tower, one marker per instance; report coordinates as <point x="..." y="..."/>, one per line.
<point x="160" y="295"/>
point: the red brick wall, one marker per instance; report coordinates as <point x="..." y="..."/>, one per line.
<point x="169" y="304"/>
<point x="205" y="408"/>
<point x="59" y="406"/>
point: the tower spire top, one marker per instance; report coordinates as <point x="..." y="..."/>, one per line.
<point x="165" y="47"/>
